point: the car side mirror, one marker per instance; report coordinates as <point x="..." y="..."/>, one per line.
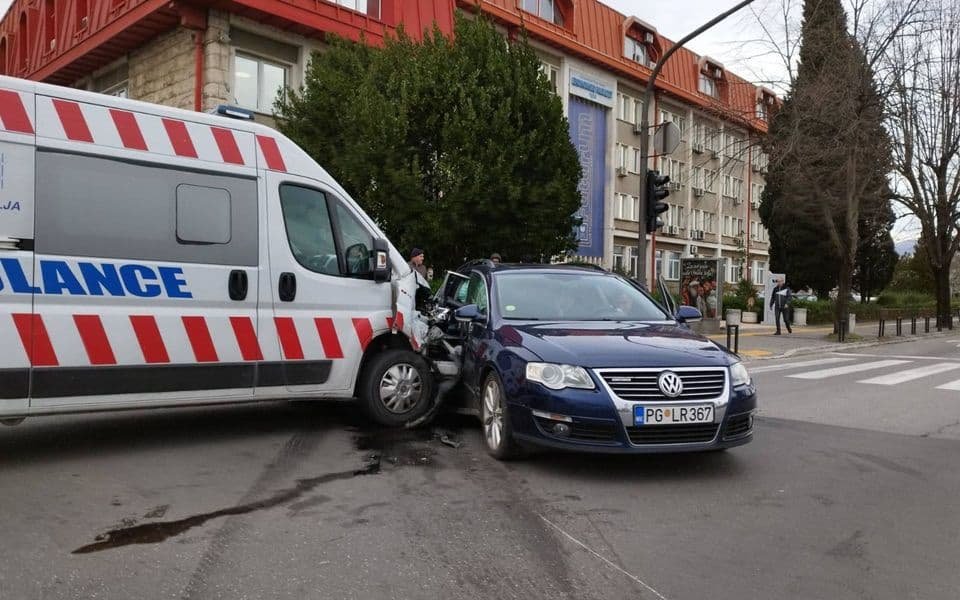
<point x="381" y="260"/>
<point x="468" y="314"/>
<point x="688" y="314"/>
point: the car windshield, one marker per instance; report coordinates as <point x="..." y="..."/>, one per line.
<point x="573" y="297"/>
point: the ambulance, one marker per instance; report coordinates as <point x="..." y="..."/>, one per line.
<point x="154" y="257"/>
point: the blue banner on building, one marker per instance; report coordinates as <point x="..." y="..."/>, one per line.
<point x="588" y="131"/>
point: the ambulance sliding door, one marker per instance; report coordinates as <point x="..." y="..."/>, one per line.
<point x="147" y="279"/>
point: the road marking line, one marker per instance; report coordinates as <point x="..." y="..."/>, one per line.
<point x="824" y="373"/>
<point x="797" y="365"/>
<point x="904" y="356"/>
<point x="911" y="374"/>
<point x="953" y="385"/>
<point x="598" y="555"/>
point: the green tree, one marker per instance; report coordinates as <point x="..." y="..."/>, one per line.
<point x="876" y="253"/>
<point x="455" y="145"/>
<point x="827" y="145"/>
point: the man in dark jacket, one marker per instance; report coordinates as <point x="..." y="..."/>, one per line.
<point x="780" y="300"/>
<point x="416" y="262"/>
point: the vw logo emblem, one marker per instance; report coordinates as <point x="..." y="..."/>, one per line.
<point x="670" y="384"/>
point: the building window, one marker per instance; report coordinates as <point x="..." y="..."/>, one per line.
<point x="636" y="51"/>
<point x="112" y="83"/>
<point x="49" y="26"/>
<point x="545" y="9"/>
<point x="708" y="85"/>
<point x="635" y="160"/>
<point x="368" y="7"/>
<point x="627" y="108"/>
<point x="673" y="266"/>
<point x="759" y="271"/>
<point x="3" y="56"/>
<point x="732" y="187"/>
<point x="618" y="258"/>
<point x="658" y="264"/>
<point x="257" y="83"/>
<point x="552" y="74"/>
<point x="23" y="43"/>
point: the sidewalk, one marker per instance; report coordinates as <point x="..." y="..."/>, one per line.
<point x="758" y="342"/>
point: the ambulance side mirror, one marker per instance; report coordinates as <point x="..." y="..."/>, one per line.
<point x="381" y="261"/>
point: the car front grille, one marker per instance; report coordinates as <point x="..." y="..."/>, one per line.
<point x="583" y="431"/>
<point x="672" y="434"/>
<point x="642" y="385"/>
<point x="738" y="425"/>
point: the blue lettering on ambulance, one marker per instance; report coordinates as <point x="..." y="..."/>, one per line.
<point x="57" y="277"/>
<point x="95" y="279"/>
<point x="135" y="284"/>
<point x="104" y="278"/>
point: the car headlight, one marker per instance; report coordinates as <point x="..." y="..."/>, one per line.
<point x="557" y="377"/>
<point x="739" y="375"/>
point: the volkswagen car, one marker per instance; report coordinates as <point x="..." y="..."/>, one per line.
<point x="583" y="359"/>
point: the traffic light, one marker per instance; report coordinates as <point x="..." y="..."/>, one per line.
<point x="656" y="192"/>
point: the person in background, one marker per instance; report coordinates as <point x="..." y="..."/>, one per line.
<point x="495" y="258"/>
<point x="780" y="301"/>
<point x="416" y="262"/>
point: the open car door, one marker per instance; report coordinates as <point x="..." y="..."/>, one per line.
<point x="667" y="298"/>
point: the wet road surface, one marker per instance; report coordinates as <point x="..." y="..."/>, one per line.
<point x="307" y="501"/>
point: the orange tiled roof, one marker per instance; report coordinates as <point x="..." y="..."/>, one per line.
<point x="597" y="36"/>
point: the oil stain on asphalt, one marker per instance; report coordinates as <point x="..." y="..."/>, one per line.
<point x="395" y="447"/>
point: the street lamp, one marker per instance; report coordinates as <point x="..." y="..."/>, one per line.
<point x="645" y="134"/>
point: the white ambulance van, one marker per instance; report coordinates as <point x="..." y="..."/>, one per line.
<point x="154" y="257"/>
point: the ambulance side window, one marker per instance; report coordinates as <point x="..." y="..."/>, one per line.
<point x="203" y="215"/>
<point x="356" y="242"/>
<point x="309" y="231"/>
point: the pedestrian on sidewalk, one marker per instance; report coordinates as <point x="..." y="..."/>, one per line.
<point x="780" y="300"/>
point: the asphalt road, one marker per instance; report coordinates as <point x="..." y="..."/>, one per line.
<point x="850" y="490"/>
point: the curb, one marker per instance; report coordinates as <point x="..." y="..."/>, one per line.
<point x="852" y="346"/>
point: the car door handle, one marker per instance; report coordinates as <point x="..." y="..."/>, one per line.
<point x="287" y="287"/>
<point x="237" y="285"/>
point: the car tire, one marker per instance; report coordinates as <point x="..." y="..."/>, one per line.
<point x="396" y="387"/>
<point x="495" y="418"/>
<point x="12" y="422"/>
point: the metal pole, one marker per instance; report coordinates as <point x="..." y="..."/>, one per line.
<point x="645" y="134"/>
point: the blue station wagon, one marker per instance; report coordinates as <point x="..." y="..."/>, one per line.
<point x="583" y="359"/>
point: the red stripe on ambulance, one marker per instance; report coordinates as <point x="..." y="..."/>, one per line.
<point x="246" y="338"/>
<point x="73" y="121"/>
<point x="94" y="339"/>
<point x="199" y="335"/>
<point x="129" y="129"/>
<point x="35" y="340"/>
<point x="149" y="338"/>
<point x="364" y="332"/>
<point x="180" y="138"/>
<point x="328" y="337"/>
<point x="271" y="153"/>
<point x="13" y="114"/>
<point x="289" y="340"/>
<point x="227" y="145"/>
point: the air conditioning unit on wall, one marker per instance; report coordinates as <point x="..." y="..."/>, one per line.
<point x="694" y="250"/>
<point x="698" y="192"/>
<point x="621" y="171"/>
<point x="696" y="234"/>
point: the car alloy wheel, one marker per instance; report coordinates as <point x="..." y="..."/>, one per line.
<point x="401" y="388"/>
<point x="493" y="422"/>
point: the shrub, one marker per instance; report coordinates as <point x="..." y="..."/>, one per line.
<point x="733" y="302"/>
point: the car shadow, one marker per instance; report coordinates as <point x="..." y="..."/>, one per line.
<point x="45" y="438"/>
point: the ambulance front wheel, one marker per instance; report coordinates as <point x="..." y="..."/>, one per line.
<point x="396" y="387"/>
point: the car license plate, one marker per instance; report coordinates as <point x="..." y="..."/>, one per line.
<point x="672" y="415"/>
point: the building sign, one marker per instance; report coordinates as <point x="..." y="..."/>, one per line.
<point x="700" y="285"/>
<point x="588" y="131"/>
<point x="593" y="89"/>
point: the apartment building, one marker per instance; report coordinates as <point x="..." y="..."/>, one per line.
<point x="241" y="52"/>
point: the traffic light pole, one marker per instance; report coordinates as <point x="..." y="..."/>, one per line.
<point x="645" y="135"/>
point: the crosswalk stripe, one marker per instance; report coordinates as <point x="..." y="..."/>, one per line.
<point x="911" y="374"/>
<point x="798" y="365"/>
<point x="953" y="385"/>
<point x="824" y="373"/>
